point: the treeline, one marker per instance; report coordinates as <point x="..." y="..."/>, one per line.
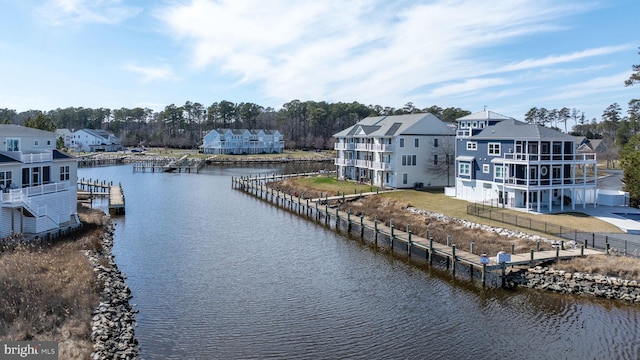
<point x="304" y="124"/>
<point x="614" y="127"/>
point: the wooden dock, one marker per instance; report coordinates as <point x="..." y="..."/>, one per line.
<point x="476" y="265"/>
<point x="90" y="188"/>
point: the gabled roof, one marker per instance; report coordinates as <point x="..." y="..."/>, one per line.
<point x="17" y="130"/>
<point x="512" y="129"/>
<point x="57" y="154"/>
<point x="484" y="115"/>
<point x="99" y="133"/>
<point x="395" y="125"/>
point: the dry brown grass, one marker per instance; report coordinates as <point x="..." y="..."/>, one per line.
<point x="608" y="265"/>
<point x="48" y="291"/>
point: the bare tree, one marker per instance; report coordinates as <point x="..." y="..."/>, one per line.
<point x="443" y="161"/>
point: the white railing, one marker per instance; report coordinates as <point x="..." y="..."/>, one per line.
<point x="382" y="147"/>
<point x="14" y="196"/>
<point x="524" y="157"/>
<point x="344" y="146"/>
<point x="36" y="158"/>
<point x="343" y="162"/>
<point x="376" y="165"/>
<point x="363" y="163"/>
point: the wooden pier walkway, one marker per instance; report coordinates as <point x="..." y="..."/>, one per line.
<point x="413" y="244"/>
<point x="94" y="188"/>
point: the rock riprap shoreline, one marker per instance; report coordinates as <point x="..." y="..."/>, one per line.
<point x="112" y="326"/>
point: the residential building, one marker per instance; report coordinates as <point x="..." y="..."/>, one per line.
<point x="506" y="162"/>
<point x="399" y="151"/>
<point x="90" y="140"/>
<point x="37" y="183"/>
<point x="242" y="141"/>
<point x="66" y="135"/>
<point x="585" y="145"/>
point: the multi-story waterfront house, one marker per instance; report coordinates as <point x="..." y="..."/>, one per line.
<point x="400" y="151"/>
<point x="509" y="163"/>
<point x="38" y="191"/>
<point x="242" y="141"/>
<point x="91" y="140"/>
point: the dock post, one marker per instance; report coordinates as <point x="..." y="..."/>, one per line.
<point x="484" y="275"/>
<point x="607" y="248"/>
<point x="326" y="214"/>
<point x="410" y="244"/>
<point x="430" y="250"/>
<point x="375" y="228"/>
<point x="349" y="221"/>
<point x="557" y="253"/>
<point x="448" y="240"/>
<point x="586" y="243"/>
<point x="472" y="247"/>
<point x="513" y="249"/>
<point x="317" y="214"/>
<point x="361" y="225"/>
<point x="391" y="226"/>
<point x="453" y="259"/>
<point x="581" y="250"/>
<point x="337" y="217"/>
<point x="538" y="245"/>
<point x="307" y="208"/>
<point x="532" y="255"/>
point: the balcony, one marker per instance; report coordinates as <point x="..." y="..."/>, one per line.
<point x="344" y="146"/>
<point x="343" y="162"/>
<point x="532" y="158"/>
<point x="376" y="165"/>
<point x="14" y="196"/>
<point x="36" y="157"/>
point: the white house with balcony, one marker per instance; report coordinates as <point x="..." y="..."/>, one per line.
<point x="242" y="141"/>
<point x="505" y="162"/>
<point x="399" y="151"/>
<point x="37" y="183"/>
<point x="90" y="140"/>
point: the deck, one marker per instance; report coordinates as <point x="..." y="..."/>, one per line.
<point x="90" y="188"/>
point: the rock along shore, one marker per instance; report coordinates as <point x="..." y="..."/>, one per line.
<point x="546" y="278"/>
<point x="112" y="326"/>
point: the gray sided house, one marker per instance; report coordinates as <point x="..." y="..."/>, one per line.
<point x="505" y="162"/>
<point x="37" y="183"/>
<point x="242" y="141"/>
<point x="400" y="151"/>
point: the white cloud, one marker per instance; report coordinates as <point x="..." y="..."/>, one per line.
<point x="599" y="85"/>
<point x="158" y="73"/>
<point x="72" y="12"/>
<point x="335" y="50"/>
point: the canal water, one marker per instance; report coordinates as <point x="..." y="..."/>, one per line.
<point x="218" y="274"/>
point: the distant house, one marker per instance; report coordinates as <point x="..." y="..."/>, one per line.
<point x="89" y="140"/>
<point x="585" y="145"/>
<point x="400" y="151"/>
<point x="37" y="183"/>
<point x="66" y="135"/>
<point x="510" y="163"/>
<point x="242" y="141"/>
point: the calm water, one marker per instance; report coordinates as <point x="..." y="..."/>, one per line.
<point x="218" y="274"/>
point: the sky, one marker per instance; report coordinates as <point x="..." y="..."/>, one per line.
<point x="505" y="55"/>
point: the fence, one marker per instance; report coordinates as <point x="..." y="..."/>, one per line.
<point x="589" y="239"/>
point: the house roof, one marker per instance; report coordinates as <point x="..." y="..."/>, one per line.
<point x="97" y="133"/>
<point x="57" y="154"/>
<point x="395" y="125"/>
<point x="7" y="159"/>
<point x="17" y="130"/>
<point x="485" y="115"/>
<point x="513" y="129"/>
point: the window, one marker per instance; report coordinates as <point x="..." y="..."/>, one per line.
<point x="13" y="144"/>
<point x="435" y="159"/>
<point x="485" y="168"/>
<point x="499" y="172"/>
<point x="472" y="145"/>
<point x="494" y="149"/>
<point x="409" y="160"/>
<point x="5" y="179"/>
<point x="36" y="143"/>
<point x="404" y="178"/>
<point x="416" y="143"/>
<point x="435" y="142"/>
<point x="464" y="169"/>
<point x="401" y="142"/>
<point x="64" y="173"/>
